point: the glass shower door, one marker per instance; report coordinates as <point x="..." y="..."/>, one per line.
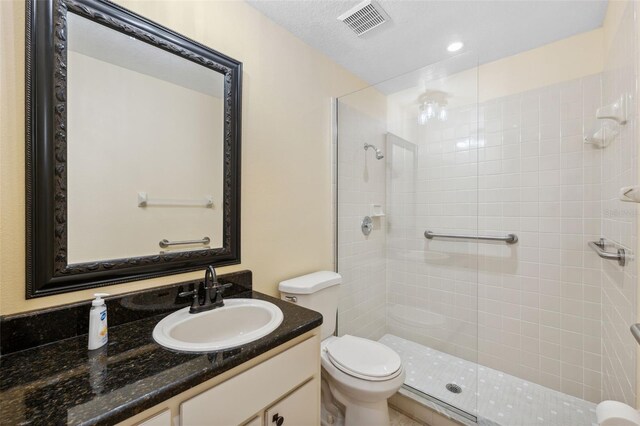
<point x="432" y="192"/>
<point x="414" y="294"/>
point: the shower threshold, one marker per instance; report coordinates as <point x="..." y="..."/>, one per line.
<point x="493" y="397"/>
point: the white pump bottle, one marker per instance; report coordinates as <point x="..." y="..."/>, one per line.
<point x="98" y="336"/>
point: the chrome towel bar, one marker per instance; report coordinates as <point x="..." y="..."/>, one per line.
<point x="600" y="248"/>
<point x="166" y="243"/>
<point x="145" y="201"/>
<point x="509" y="238"/>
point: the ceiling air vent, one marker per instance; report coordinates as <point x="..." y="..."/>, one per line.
<point x="364" y="17"/>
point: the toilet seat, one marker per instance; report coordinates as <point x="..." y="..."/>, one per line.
<point x="363" y="358"/>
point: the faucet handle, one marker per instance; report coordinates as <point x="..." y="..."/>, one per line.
<point x="195" y="302"/>
<point x="193" y="293"/>
<point x="220" y="287"/>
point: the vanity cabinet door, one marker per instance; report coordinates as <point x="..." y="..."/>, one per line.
<point x="257" y="421"/>
<point x="297" y="409"/>
<point x="234" y="401"/>
<point x="161" y="419"/>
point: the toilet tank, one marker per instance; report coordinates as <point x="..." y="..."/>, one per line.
<point x="317" y="291"/>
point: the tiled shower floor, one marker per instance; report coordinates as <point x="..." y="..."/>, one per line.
<point x="492" y="396"/>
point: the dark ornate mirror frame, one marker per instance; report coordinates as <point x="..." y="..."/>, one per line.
<point x="46" y="178"/>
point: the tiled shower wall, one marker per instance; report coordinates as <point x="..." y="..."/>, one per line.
<point x="619" y="220"/>
<point x="540" y="301"/>
<point x="361" y="259"/>
<point x="432" y="285"/>
<point x="532" y="309"/>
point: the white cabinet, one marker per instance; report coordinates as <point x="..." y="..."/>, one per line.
<point x="249" y="394"/>
<point x="256" y="421"/>
<point x="294" y="409"/>
<point x="161" y="419"/>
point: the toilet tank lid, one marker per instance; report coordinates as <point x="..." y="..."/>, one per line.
<point x="310" y="283"/>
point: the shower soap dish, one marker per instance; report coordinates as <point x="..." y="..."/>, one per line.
<point x="602" y="138"/>
<point x="376" y="210"/>
<point x="616" y="111"/>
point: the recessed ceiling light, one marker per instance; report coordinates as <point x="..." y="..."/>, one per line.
<point x="455" y="46"/>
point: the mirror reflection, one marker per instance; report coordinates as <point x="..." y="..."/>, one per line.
<point x="145" y="148"/>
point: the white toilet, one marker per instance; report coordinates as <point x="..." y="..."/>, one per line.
<point x="359" y="374"/>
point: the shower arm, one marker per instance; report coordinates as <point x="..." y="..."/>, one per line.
<point x="379" y="154"/>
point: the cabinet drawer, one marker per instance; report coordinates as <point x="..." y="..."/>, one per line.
<point x="297" y="408"/>
<point x="234" y="401"/>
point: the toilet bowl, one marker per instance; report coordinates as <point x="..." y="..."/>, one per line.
<point x="362" y="375"/>
<point x="358" y="375"/>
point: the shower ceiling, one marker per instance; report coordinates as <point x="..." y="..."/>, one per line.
<point x="419" y="32"/>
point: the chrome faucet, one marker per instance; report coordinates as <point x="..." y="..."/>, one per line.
<point x="212" y="290"/>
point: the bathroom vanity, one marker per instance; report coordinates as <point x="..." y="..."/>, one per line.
<point x="270" y="390"/>
<point x="48" y="376"/>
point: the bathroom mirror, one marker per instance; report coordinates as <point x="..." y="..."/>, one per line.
<point x="133" y="149"/>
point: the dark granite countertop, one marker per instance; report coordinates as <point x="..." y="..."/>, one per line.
<point x="61" y="383"/>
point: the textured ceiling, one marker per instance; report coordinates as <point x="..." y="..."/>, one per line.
<point x="419" y="31"/>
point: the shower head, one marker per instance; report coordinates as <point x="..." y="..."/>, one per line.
<point x="379" y="154"/>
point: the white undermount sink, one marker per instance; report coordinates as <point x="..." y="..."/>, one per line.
<point x="238" y="322"/>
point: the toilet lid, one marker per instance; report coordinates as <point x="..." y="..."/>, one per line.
<point x="363" y="358"/>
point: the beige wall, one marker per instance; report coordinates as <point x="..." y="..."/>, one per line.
<point x="286" y="166"/>
<point x="613" y="17"/>
<point x="154" y="150"/>
<point x="567" y="59"/>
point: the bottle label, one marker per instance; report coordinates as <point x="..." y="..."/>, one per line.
<point x="103" y="326"/>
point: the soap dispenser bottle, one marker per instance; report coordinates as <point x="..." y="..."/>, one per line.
<point x="98" y="322"/>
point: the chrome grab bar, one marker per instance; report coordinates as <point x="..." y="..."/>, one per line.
<point x="166" y="243"/>
<point x="509" y="238"/>
<point x="600" y="248"/>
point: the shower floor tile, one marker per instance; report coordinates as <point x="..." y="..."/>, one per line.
<point x="494" y="397"/>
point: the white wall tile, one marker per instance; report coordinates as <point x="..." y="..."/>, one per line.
<point x="618" y="224"/>
<point x="361" y="260"/>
